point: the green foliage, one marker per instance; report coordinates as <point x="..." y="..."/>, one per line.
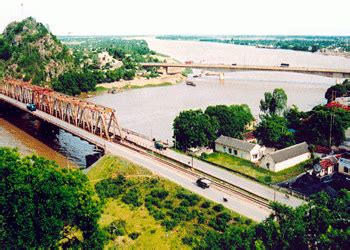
<point x="274" y="103"/>
<point x="218" y="208"/>
<point x="5" y="52"/>
<point x="42" y="204"/>
<point x="111" y="187"/>
<point x="193" y="128"/>
<point x="337" y="90"/>
<point x="73" y="83"/>
<point x="134" y="235"/>
<point x="232" y="119"/>
<point x="273" y="132"/>
<point x="132" y="197"/>
<point x="117" y="228"/>
<point x="32" y="53"/>
<point x="322" y="223"/>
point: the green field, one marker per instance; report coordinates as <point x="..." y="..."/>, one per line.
<point x="250" y="170"/>
<point x="165" y="215"/>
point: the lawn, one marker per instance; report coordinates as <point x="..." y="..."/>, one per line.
<point x="161" y="213"/>
<point x="250" y="170"/>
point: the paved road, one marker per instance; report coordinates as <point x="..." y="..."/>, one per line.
<point x="235" y="202"/>
<point x="225" y="175"/>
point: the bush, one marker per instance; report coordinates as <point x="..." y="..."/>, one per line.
<point x="169" y="224"/>
<point x="221" y="221"/>
<point x="168" y="204"/>
<point x="205" y="204"/>
<point x="218" y="208"/>
<point x="159" y="193"/>
<point x="117" y="228"/>
<point x="192" y="199"/>
<point x="132" y="197"/>
<point x="134" y="235"/>
<point x="111" y="187"/>
<point x="188" y="240"/>
<point x="153" y="231"/>
<point x="267" y="179"/>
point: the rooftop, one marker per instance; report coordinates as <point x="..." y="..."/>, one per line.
<point x="235" y="143"/>
<point x="290" y="152"/>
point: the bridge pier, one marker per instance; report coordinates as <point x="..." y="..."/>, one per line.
<point x="222" y="76"/>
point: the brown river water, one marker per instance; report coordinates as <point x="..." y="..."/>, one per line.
<point x="151" y="111"/>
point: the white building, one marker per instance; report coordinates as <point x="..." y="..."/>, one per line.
<point x="286" y="158"/>
<point x="242" y="149"/>
<point x="344" y="164"/>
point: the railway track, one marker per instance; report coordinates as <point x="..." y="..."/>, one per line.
<point x="228" y="187"/>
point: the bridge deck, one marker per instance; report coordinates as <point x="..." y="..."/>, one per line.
<point x="307" y="70"/>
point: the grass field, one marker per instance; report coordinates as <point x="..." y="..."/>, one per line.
<point x="247" y="168"/>
<point x="165" y="215"/>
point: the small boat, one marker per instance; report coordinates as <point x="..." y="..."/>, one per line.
<point x="195" y="76"/>
<point x="190" y="83"/>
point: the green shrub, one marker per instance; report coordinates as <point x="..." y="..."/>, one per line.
<point x="111" y="187"/>
<point x="132" y="197"/>
<point x="205" y="204"/>
<point x="160" y="193"/>
<point x="134" y="235"/>
<point x="221" y="221"/>
<point x="218" y="208"/>
<point x="188" y="240"/>
<point x="169" y="224"/>
<point x="117" y="228"/>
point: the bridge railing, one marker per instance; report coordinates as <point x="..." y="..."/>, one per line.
<point x="94" y="118"/>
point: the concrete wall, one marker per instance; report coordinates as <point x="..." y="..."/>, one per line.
<point x="291" y="162"/>
<point x="241" y="154"/>
<point x="268" y="163"/>
<point x="344" y="163"/>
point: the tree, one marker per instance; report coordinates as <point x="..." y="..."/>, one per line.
<point x="337" y="90"/>
<point x="232" y="119"/>
<point x="294" y="117"/>
<point x="45" y="206"/>
<point x="193" y="128"/>
<point x="273" y="132"/>
<point x="325" y="126"/>
<point x="274" y="103"/>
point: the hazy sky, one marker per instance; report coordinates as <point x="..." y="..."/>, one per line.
<point x="149" y="17"/>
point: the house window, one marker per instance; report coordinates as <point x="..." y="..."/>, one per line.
<point x="224" y="149"/>
<point x="346" y="170"/>
<point x="255" y="156"/>
<point x="230" y="150"/>
<point x="235" y="152"/>
<point x="268" y="165"/>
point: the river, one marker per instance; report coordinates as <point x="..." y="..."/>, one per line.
<point x="151" y="111"/>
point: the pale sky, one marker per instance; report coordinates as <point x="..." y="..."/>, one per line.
<point x="153" y="17"/>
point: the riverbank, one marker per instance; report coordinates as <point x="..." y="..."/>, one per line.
<point x="139" y="82"/>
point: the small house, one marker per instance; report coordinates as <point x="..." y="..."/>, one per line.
<point x="249" y="137"/>
<point x="242" y="149"/>
<point x="286" y="158"/>
<point x="344" y="164"/>
<point x="326" y="166"/>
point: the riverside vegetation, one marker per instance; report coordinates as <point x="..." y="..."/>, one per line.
<point x="44" y="206"/>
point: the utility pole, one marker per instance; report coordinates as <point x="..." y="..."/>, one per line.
<point x="331" y="121"/>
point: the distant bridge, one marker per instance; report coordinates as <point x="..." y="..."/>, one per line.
<point x="334" y="73"/>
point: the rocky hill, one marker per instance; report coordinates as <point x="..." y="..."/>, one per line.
<point x="29" y="51"/>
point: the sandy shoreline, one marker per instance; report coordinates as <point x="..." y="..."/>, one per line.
<point x="141" y="81"/>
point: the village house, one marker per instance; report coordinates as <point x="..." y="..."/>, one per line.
<point x="286" y="158"/>
<point x="242" y="149"/>
<point x="326" y="166"/>
<point x="344" y="164"/>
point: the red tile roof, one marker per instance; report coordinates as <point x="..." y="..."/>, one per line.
<point x="326" y="163"/>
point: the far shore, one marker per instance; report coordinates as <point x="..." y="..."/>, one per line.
<point x="139" y="82"/>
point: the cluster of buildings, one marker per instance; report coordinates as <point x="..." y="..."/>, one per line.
<point x="266" y="158"/>
<point x="278" y="160"/>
